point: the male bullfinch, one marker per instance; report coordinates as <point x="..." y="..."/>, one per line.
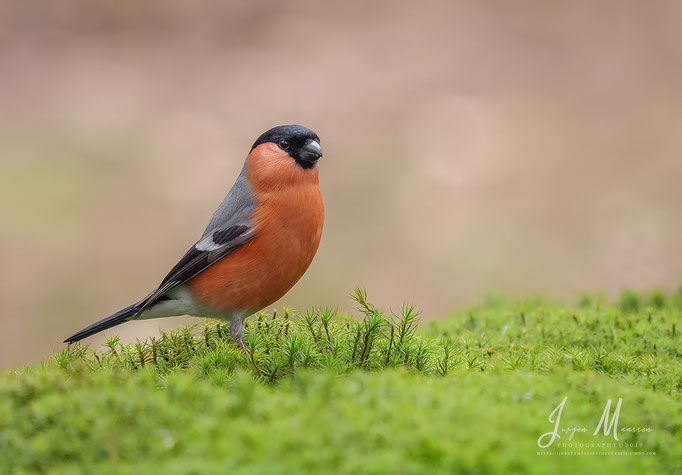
<point x="257" y="245"/>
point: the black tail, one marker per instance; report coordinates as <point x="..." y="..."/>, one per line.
<point x="119" y="317"/>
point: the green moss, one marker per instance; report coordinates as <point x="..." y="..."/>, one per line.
<point x="322" y="393"/>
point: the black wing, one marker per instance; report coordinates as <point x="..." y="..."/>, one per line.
<point x="203" y="254"/>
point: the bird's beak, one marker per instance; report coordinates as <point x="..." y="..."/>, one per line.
<point x="311" y="151"/>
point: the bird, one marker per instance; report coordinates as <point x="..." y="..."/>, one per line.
<point x="256" y="246"/>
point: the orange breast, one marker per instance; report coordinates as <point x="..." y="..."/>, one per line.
<point x="289" y="221"/>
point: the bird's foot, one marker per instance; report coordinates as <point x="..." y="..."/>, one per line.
<point x="240" y="344"/>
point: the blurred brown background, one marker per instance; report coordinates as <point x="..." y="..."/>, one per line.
<point x="533" y="148"/>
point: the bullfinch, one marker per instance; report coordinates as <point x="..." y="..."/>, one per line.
<point x="257" y="245"/>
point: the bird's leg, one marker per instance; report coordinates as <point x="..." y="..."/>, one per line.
<point x="237" y="330"/>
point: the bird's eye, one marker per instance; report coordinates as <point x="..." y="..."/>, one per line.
<point x="284" y="144"/>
